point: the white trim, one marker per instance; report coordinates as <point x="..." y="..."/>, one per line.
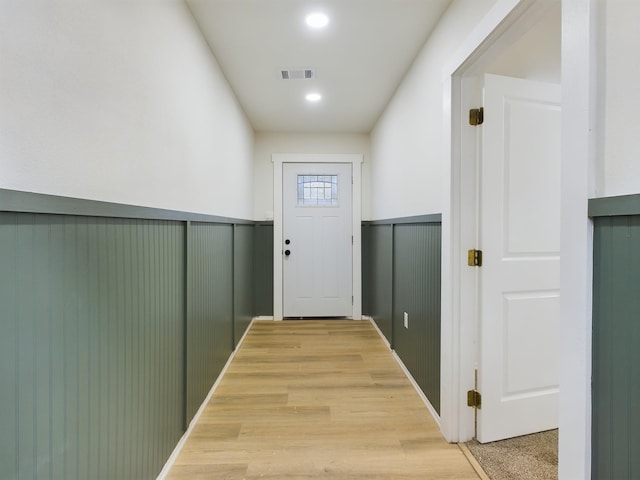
<point x="418" y="390"/>
<point x="507" y="20"/>
<point x="355" y="159"/>
<point x="178" y="448"/>
<point x="579" y="152"/>
<point x="375" y="325"/>
<point x="579" y="135"/>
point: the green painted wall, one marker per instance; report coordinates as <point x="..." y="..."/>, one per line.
<point x="263" y="269"/>
<point x="403" y="258"/>
<point x="378" y="280"/>
<point x="243" y="266"/>
<point x="416" y="290"/>
<point x="210" y="319"/>
<point x="91" y="342"/>
<point x="366" y="268"/>
<point x="113" y="328"/>
<point x="616" y="348"/>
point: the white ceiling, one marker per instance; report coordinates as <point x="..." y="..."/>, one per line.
<point x="359" y="59"/>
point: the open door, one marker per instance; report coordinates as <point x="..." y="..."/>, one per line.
<point x="519" y="280"/>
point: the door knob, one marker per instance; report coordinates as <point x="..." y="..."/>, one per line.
<point x="287" y="252"/>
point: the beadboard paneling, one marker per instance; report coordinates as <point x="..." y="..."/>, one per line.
<point x="91" y="336"/>
<point x="210" y="319"/>
<point x="416" y="291"/>
<point x="243" y="240"/>
<point x="379" y="279"/>
<point x="403" y="258"/>
<point x="616" y="355"/>
<point x="263" y="269"/>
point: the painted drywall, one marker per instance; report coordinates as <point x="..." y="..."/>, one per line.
<point x="536" y="55"/>
<point x="619" y="168"/>
<point x="121" y="102"/>
<point x="266" y="144"/>
<point x="406" y="143"/>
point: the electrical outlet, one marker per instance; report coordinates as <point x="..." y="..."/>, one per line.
<point x="406" y="320"/>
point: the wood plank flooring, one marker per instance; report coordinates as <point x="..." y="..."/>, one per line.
<point x="317" y="399"/>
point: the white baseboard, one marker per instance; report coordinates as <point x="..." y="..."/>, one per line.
<point x="415" y="385"/>
<point x="178" y="448"/>
<point x="424" y="398"/>
<point x="375" y="325"/>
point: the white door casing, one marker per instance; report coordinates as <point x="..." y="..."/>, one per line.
<point x="317" y="245"/>
<point x="519" y="281"/>
<point x="506" y="22"/>
<point x="278" y="161"/>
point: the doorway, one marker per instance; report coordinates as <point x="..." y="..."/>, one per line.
<point x="509" y="46"/>
<point x="352" y="161"/>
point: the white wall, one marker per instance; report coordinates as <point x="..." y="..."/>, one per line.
<point x="406" y="143"/>
<point x="619" y="159"/>
<point x="536" y="55"/>
<point x="266" y="144"/>
<point x="119" y="101"/>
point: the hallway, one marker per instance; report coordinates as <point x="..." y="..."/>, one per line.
<point x="316" y="399"/>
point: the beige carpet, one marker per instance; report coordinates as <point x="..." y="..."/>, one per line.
<point x="532" y="457"/>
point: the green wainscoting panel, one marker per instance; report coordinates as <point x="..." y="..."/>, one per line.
<point x="115" y="321"/>
<point x="367" y="263"/>
<point x="616" y="348"/>
<point x="263" y="269"/>
<point x="416" y="291"/>
<point x="366" y="268"/>
<point x="91" y="345"/>
<point x="401" y="260"/>
<point x="243" y="240"/>
<point x="210" y="321"/>
<point x="379" y="279"/>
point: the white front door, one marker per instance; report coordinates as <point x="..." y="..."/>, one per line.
<point x="317" y="240"/>
<point x="519" y="281"/>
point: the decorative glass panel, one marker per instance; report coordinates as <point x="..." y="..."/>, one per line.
<point x="318" y="190"/>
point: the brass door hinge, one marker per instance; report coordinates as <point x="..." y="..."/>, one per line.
<point x="474" y="399"/>
<point x="476" y="116"/>
<point x="474" y="258"/>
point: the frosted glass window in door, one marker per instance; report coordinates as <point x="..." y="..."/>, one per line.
<point x="317" y="190"/>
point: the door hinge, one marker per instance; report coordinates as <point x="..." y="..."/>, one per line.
<point x="476" y="116"/>
<point x="352" y="300"/>
<point x="474" y="399"/>
<point x="474" y="258"/>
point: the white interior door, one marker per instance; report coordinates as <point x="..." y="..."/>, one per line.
<point x="317" y="240"/>
<point x="519" y="281"/>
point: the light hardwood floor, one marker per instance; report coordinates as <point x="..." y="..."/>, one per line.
<point x="317" y="399"/>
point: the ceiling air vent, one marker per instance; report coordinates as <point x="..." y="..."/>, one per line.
<point x="297" y="74"/>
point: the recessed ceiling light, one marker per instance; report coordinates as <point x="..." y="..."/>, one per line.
<point x="313" y="97"/>
<point x="317" y="20"/>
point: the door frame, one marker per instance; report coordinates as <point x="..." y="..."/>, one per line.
<point x="579" y="154"/>
<point x="507" y="21"/>
<point x="355" y="160"/>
